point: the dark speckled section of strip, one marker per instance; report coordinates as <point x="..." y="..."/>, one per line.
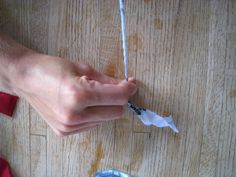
<point x="134" y="108"/>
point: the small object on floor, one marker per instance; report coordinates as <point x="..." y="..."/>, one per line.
<point x="5" y="170"/>
<point x="111" y="173"/>
<point x="147" y="117"/>
<point x="151" y="118"/>
<point x="7" y="103"/>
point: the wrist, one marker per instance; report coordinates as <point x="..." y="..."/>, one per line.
<point x="13" y="57"/>
<point x="20" y="70"/>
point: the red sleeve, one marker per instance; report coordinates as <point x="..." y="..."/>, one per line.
<point x="5" y="170"/>
<point x="7" y="103"/>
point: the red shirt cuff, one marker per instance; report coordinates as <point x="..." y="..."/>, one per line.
<point x="5" y="170"/>
<point x="7" y="103"/>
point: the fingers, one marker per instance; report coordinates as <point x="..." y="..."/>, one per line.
<point x="62" y="129"/>
<point x="101" y="89"/>
<point x="92" y="74"/>
<point x="102" y="78"/>
<point x="100" y="113"/>
<point x="89" y="117"/>
<point x="68" y="126"/>
<point x="57" y="122"/>
<point x="109" y="94"/>
<point x="62" y="134"/>
<point x="84" y="120"/>
<point x="80" y="130"/>
<point x="93" y="114"/>
<point x="98" y="94"/>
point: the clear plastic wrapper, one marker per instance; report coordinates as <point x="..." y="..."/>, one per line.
<point x="151" y="118"/>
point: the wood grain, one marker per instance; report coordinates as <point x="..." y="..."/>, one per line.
<point x="215" y="88"/>
<point x="38" y="156"/>
<point x="182" y="53"/>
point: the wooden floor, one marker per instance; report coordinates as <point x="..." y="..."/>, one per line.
<point x="182" y="52"/>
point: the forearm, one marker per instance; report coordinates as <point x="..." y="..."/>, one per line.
<point x="11" y="56"/>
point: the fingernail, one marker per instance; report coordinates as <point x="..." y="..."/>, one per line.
<point x="131" y="78"/>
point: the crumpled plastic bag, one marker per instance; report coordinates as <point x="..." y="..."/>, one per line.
<point x="151" y="118"/>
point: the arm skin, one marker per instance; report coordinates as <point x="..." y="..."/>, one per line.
<point x="70" y="97"/>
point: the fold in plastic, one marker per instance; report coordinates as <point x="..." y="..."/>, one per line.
<point x="151" y="118"/>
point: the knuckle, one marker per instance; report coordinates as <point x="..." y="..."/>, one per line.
<point x="66" y="118"/>
<point x="83" y="79"/>
<point x="70" y="92"/>
<point x="77" y="97"/>
<point x="88" y="69"/>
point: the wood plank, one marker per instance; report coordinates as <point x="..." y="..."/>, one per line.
<point x="181" y="64"/>
<point x="188" y="87"/>
<point x="141" y="159"/>
<point x="164" y="29"/>
<point x="215" y="87"/>
<point x="231" y="39"/>
<point x="164" y="26"/>
<point x="38" y="156"/>
<point x="143" y="44"/>
<point x="77" y="155"/>
<point x="226" y="162"/>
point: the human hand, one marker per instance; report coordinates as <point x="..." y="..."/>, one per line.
<point x="70" y="97"/>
